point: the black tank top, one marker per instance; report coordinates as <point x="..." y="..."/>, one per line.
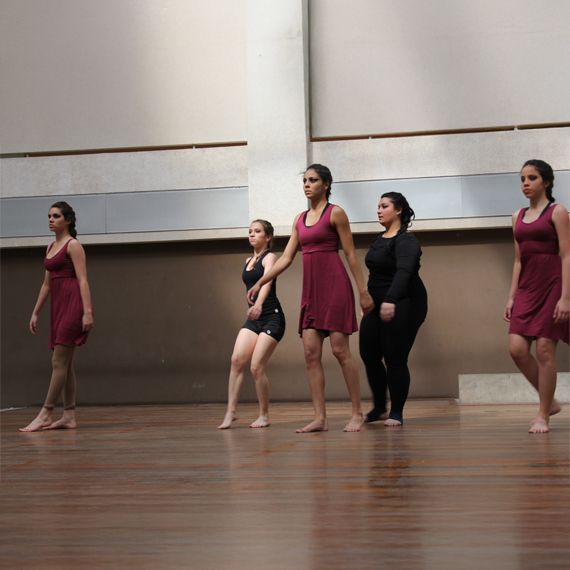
<point x="250" y="278"/>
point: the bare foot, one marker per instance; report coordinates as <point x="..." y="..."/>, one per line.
<point x="555" y="408"/>
<point x="228" y="419"/>
<point x="392" y="423"/>
<point x="316" y="425"/>
<point x="539" y="426"/>
<point x="261" y="421"/>
<point x="63" y="423"/>
<point x="40" y="422"/>
<point x="355" y="423"/>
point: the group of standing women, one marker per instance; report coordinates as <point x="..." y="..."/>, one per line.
<point x="393" y="303"/>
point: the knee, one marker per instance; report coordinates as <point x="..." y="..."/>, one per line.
<point x="544" y="355"/>
<point x="341" y="353"/>
<point x="238" y="362"/>
<point x="312" y="357"/>
<point x="59" y="363"/>
<point x="518" y="353"/>
<point x="257" y="371"/>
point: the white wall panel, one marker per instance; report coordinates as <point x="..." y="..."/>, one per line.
<point x="85" y="74"/>
<point x="397" y="66"/>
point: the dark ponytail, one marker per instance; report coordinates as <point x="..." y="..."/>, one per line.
<point x="546" y="173"/>
<point x="68" y="214"/>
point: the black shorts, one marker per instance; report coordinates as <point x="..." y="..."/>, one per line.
<point x="272" y="325"/>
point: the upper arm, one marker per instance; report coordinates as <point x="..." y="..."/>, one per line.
<point x="77" y="254"/>
<point x="517" y="249"/>
<point x="268" y="262"/>
<point x="340" y="222"/>
<point x="408" y="251"/>
<point x="562" y="225"/>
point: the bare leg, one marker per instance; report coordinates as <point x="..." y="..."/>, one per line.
<point x="243" y="349"/>
<point x="313" y="345"/>
<point x="62" y="357"/>
<point x="67" y="421"/>
<point x="261" y="354"/>
<point x="519" y="347"/>
<point x="341" y="350"/>
<point x="546" y="357"/>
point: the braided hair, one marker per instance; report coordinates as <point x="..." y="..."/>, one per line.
<point x="68" y="214"/>
<point x="546" y="173"/>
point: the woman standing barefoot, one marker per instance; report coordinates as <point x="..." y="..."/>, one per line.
<point x="400" y="307"/>
<point x="539" y="299"/>
<point x="327" y="306"/>
<point x="264" y="328"/>
<point x="71" y="314"/>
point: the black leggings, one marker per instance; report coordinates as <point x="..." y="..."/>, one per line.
<point x="391" y="341"/>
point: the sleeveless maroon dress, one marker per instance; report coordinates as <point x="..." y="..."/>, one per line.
<point x="540" y="280"/>
<point x="328" y="299"/>
<point x="66" y="307"/>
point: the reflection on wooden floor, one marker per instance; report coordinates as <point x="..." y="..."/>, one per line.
<point x="159" y="487"/>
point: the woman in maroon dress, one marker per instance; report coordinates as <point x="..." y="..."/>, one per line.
<point x="539" y="299"/>
<point x="71" y="314"/>
<point x="327" y="307"/>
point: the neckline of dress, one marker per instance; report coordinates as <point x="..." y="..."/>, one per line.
<point x="320" y="218"/>
<point x="525" y="210"/>
<point x="59" y="251"/>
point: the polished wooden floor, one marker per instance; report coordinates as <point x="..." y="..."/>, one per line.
<point x="159" y="487"/>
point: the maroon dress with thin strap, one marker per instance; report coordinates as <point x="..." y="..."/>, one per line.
<point x="66" y="306"/>
<point x="328" y="299"/>
<point x="540" y="280"/>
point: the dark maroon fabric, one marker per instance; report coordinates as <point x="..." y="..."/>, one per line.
<point x="540" y="281"/>
<point x="328" y="299"/>
<point x="66" y="307"/>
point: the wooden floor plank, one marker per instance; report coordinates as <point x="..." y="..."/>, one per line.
<point x="160" y="487"/>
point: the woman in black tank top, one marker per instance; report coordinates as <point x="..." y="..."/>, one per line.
<point x="262" y="331"/>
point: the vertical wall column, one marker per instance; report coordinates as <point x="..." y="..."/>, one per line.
<point x="277" y="108"/>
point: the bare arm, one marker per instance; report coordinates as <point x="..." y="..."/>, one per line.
<point x="280" y="265"/>
<point x="77" y="254"/>
<point x="562" y="225"/>
<point x="516" y="274"/>
<point x="255" y="310"/>
<point x="339" y="220"/>
<point x="42" y="299"/>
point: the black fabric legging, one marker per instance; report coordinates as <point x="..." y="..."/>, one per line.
<point x="391" y="342"/>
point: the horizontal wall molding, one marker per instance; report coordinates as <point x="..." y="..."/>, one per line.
<point x="131" y="212"/>
<point x="444" y="197"/>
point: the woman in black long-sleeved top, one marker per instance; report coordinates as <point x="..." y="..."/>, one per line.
<point x="400" y="307"/>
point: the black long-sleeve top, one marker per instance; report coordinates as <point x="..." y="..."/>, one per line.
<point x="394" y="264"/>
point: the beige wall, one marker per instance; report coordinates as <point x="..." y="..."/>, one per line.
<point x="401" y="66"/>
<point x="167" y="316"/>
<point x="121" y="73"/>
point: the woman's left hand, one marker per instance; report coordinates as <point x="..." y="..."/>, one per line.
<point x="562" y="311"/>
<point x="253" y="313"/>
<point x="366" y="302"/>
<point x="387" y="311"/>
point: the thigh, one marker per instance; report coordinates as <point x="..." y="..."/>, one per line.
<point x="263" y="349"/>
<point x="313" y="342"/>
<point x="370" y="336"/>
<point x="245" y="344"/>
<point x="399" y="334"/>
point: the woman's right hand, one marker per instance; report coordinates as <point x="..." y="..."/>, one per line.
<point x="252" y="293"/>
<point x="34" y="324"/>
<point x="508" y="311"/>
